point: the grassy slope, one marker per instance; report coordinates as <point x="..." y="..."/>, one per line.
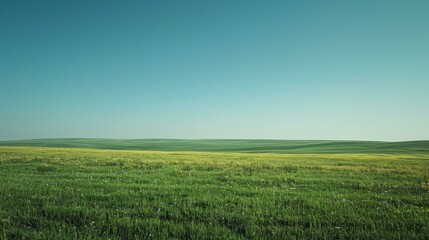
<point x="53" y="193"/>
<point x="255" y="146"/>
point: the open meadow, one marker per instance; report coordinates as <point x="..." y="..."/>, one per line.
<point x="75" y="193"/>
<point x="274" y="120"/>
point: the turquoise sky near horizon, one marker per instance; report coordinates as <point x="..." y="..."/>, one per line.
<point x="356" y="70"/>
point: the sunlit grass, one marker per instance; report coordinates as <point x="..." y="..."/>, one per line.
<point x="54" y="193"/>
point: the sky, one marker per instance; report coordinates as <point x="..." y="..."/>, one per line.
<point x="350" y="70"/>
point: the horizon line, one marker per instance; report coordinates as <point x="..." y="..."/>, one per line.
<point x="202" y="139"/>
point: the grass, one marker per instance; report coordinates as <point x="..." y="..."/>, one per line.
<point x="74" y="193"/>
<point x="230" y="145"/>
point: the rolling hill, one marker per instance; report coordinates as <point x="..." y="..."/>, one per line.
<point x="230" y="145"/>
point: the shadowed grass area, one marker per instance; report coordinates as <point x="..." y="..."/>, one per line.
<point x="223" y="145"/>
<point x="54" y="193"/>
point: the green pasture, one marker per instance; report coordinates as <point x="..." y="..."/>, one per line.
<point x="230" y="145"/>
<point x="74" y="193"/>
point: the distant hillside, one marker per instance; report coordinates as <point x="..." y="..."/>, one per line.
<point x="220" y="145"/>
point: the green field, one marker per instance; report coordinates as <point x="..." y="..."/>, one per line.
<point x="237" y="145"/>
<point x="213" y="189"/>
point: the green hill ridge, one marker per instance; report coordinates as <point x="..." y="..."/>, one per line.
<point x="230" y="145"/>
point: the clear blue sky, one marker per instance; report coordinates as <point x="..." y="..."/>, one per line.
<point x="215" y="69"/>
